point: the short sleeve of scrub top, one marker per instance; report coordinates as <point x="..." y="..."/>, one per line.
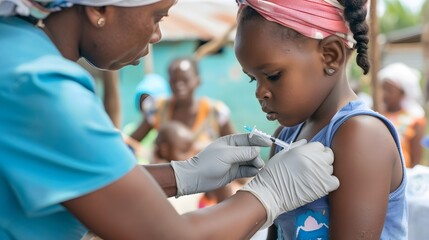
<point x="60" y="142"/>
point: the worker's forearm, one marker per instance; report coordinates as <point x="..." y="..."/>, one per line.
<point x="238" y="217"/>
<point x="164" y="175"/>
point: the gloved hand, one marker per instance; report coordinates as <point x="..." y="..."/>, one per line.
<point x="227" y="158"/>
<point x="294" y="178"/>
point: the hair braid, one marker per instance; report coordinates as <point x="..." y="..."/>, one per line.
<point x="355" y="12"/>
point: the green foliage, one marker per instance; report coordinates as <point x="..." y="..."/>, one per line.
<point x="424" y="12"/>
<point x="398" y="16"/>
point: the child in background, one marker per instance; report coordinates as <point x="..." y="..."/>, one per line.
<point x="401" y="97"/>
<point x="297" y="53"/>
<point x="173" y="143"/>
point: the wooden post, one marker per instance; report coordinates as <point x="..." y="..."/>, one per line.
<point x="214" y="45"/>
<point x="112" y="98"/>
<point x="425" y="45"/>
<point x="374" y="55"/>
<point x="148" y="61"/>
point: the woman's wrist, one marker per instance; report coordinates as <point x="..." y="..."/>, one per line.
<point x="164" y="176"/>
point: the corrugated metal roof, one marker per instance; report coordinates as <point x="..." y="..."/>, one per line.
<point x="406" y="35"/>
<point x="198" y="19"/>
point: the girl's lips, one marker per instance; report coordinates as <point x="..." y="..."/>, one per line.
<point x="271" y="116"/>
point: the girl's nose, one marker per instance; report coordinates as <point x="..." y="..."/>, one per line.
<point x="262" y="92"/>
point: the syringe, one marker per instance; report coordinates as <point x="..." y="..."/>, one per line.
<point x="276" y="141"/>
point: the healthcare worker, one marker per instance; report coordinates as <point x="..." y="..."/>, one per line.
<point x="64" y="168"/>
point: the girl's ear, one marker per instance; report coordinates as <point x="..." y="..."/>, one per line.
<point x="334" y="54"/>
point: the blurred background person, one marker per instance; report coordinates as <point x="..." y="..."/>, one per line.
<point x="152" y="87"/>
<point x="174" y="142"/>
<point x="207" y="118"/>
<point x="402" y="94"/>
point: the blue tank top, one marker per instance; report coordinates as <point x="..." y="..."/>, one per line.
<point x="311" y="221"/>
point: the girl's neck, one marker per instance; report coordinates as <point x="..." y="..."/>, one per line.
<point x="340" y="96"/>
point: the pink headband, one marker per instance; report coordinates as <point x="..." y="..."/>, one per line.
<point x="315" y="19"/>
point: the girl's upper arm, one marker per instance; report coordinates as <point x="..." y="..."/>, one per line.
<point x="365" y="154"/>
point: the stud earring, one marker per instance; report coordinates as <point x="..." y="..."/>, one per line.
<point x="40" y="24"/>
<point x="330" y="71"/>
<point x="101" y="21"/>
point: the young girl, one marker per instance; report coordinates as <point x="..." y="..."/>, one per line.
<point x="297" y="53"/>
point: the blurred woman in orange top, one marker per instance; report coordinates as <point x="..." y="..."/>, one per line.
<point x="401" y="97"/>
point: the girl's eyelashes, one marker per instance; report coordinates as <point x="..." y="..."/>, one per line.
<point x="274" y="77"/>
<point x="252" y="79"/>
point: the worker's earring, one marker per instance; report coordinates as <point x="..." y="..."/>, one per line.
<point x="101" y="21"/>
<point x="40" y="23"/>
<point x="330" y="71"/>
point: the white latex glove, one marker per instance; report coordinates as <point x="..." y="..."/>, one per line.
<point x="227" y="158"/>
<point x="294" y="178"/>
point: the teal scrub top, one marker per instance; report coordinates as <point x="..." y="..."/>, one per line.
<point x="56" y="141"/>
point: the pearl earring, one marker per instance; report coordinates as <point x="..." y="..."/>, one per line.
<point x="330" y="71"/>
<point x="40" y="24"/>
<point x="101" y="22"/>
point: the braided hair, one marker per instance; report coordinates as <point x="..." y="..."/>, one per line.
<point x="355" y="12"/>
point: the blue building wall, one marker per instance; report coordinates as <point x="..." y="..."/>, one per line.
<point x="221" y="76"/>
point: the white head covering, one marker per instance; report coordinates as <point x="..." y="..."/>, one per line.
<point x="408" y="80"/>
<point x="42" y="8"/>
